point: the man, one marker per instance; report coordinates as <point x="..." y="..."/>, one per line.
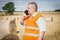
<point x="35" y="24"/>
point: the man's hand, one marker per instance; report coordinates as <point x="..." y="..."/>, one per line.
<point x="41" y="36"/>
<point x="24" y="17"/>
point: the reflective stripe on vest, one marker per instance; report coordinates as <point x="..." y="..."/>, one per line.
<point x="33" y="28"/>
<point x="29" y="34"/>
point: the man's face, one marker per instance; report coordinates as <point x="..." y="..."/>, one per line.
<point x="31" y="8"/>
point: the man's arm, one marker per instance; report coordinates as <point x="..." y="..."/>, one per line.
<point x="41" y="36"/>
<point x="22" y="21"/>
<point x="42" y="27"/>
<point x="23" y="18"/>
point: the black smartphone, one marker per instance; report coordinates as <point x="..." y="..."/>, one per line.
<point x="26" y="12"/>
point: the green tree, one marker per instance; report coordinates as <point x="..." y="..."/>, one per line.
<point x="58" y="10"/>
<point x="9" y="8"/>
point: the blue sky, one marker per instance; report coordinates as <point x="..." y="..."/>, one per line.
<point x="43" y="5"/>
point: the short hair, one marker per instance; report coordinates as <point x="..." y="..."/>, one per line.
<point x="34" y="4"/>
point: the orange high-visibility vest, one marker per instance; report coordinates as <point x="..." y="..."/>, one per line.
<point x="31" y="30"/>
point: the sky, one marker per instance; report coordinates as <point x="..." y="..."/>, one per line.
<point x="43" y="5"/>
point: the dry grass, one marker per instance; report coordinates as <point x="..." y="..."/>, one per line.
<point x="53" y="27"/>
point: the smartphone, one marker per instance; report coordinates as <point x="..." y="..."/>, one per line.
<point x="26" y="12"/>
